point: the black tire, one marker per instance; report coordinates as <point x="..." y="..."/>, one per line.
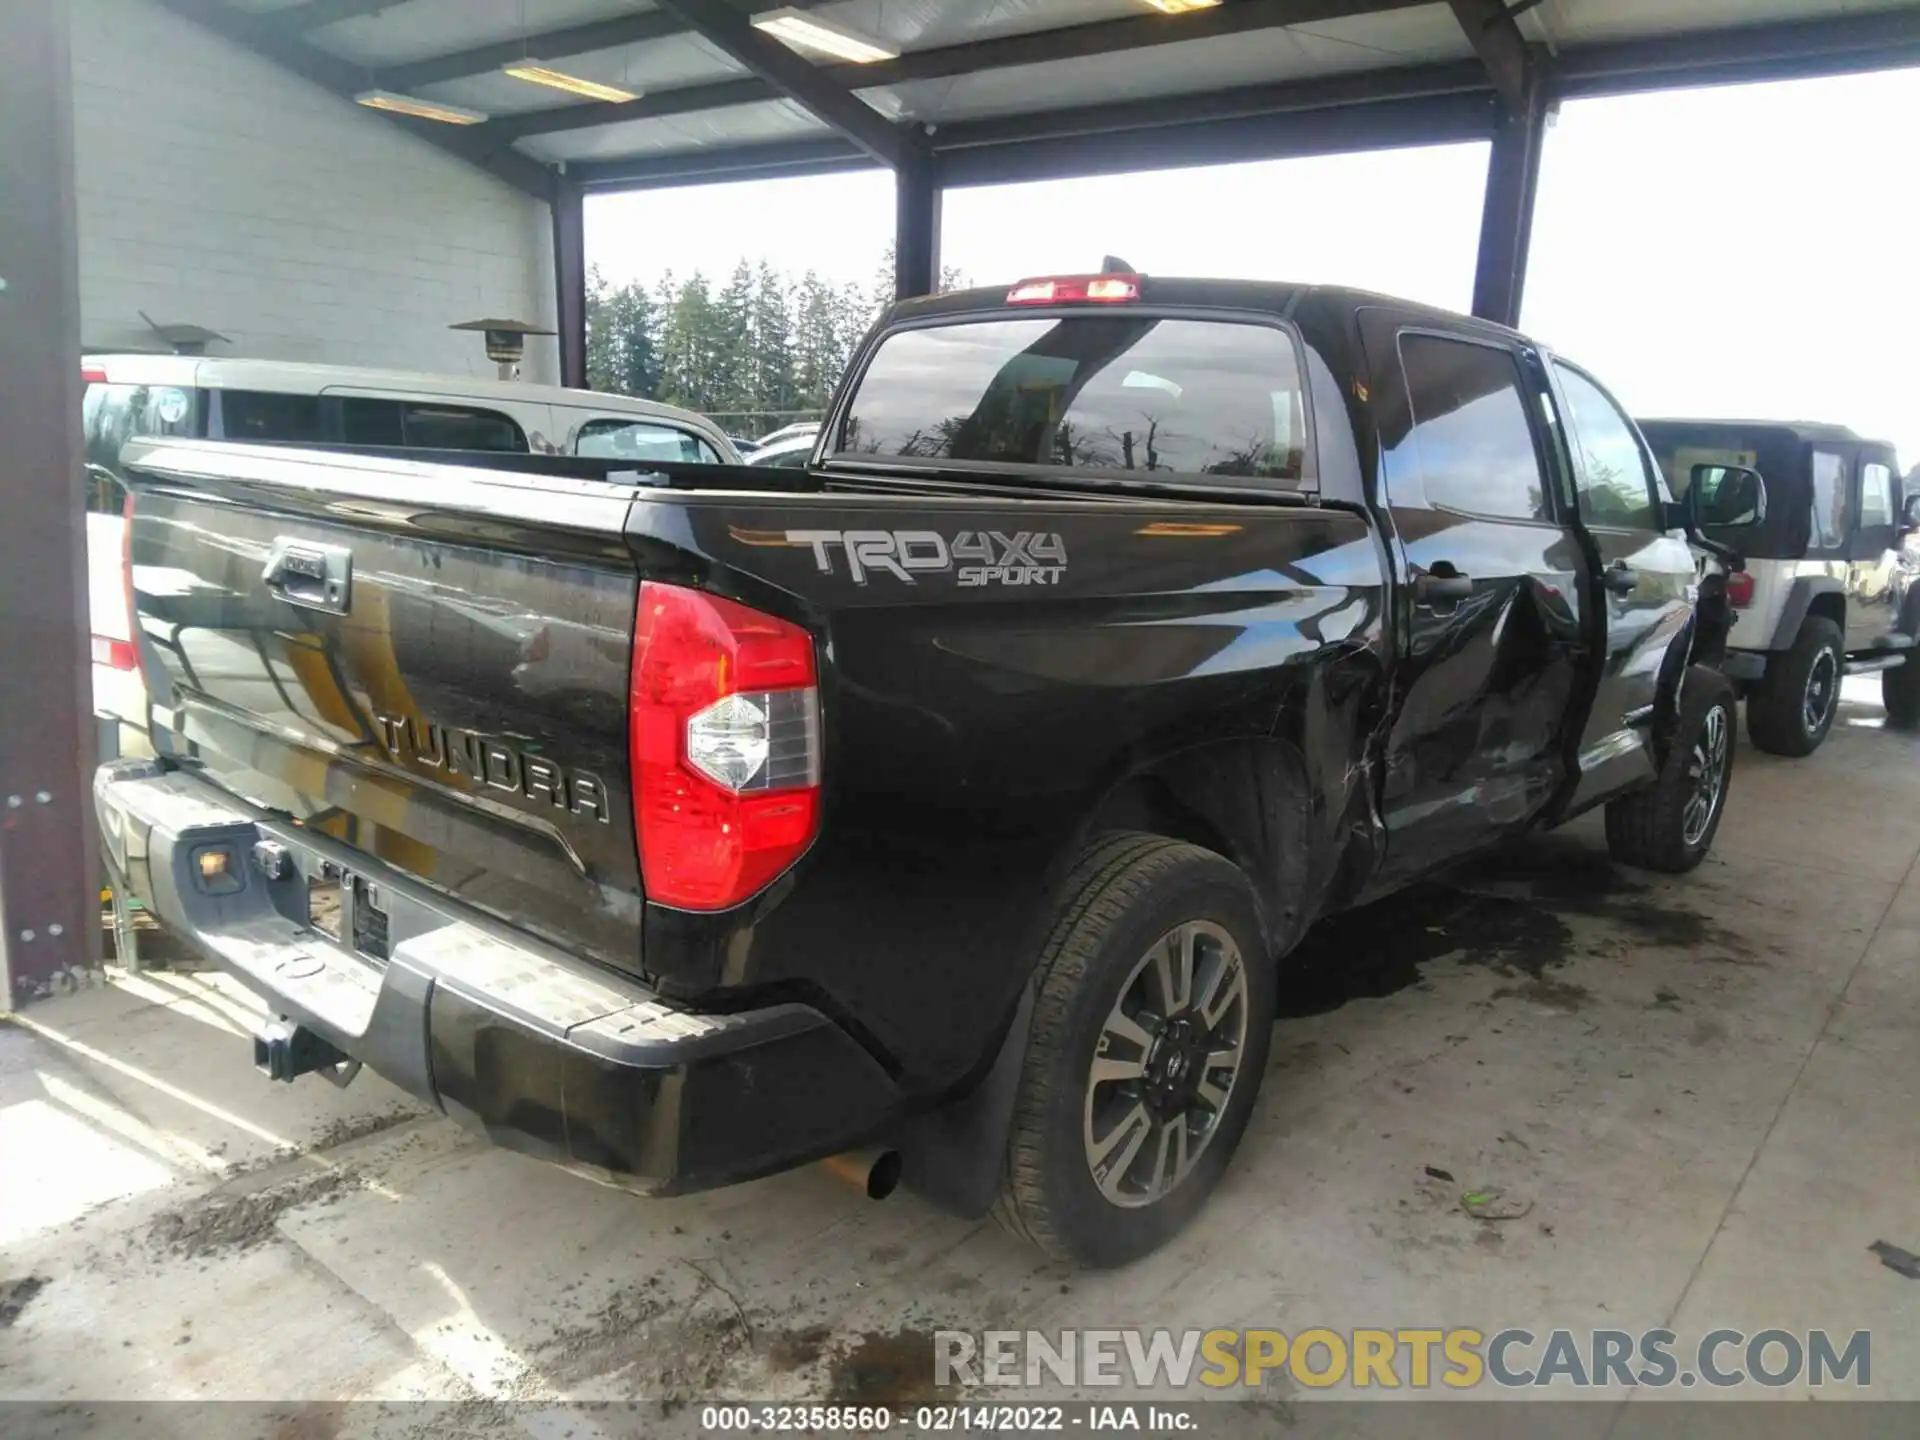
<point x="1653" y="827"/>
<point x="1127" y="894"/>
<point x="1900" y="693"/>
<point x="1778" y="717"/>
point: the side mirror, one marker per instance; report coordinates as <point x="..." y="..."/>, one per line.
<point x="1726" y="497"/>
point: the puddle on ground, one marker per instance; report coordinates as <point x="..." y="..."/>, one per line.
<point x="1505" y="910"/>
<point x="883" y="1368"/>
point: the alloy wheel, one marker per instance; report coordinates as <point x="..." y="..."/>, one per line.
<point x="1707" y="777"/>
<point x="1166" y="1063"/>
<point x="1823" y="689"/>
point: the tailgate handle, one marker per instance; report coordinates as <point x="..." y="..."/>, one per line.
<point x="315" y="577"/>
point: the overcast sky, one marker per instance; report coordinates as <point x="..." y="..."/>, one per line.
<point x="1752" y="250"/>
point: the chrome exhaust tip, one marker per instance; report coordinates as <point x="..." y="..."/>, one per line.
<point x="875" y="1171"/>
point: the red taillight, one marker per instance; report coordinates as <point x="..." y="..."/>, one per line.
<point x="725" y="716"/>
<point x="1740" y="589"/>
<point x="90" y="376"/>
<point x="115" y="654"/>
<point x="1066" y="289"/>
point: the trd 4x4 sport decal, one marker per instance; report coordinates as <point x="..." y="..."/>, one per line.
<point x="974" y="557"/>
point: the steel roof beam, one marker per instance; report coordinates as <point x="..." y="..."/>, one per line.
<point x="1783" y="50"/>
<point x="547" y="45"/>
<point x="1038" y="47"/>
<point x="317" y="14"/>
<point x="1496" y="39"/>
<point x="796" y="77"/>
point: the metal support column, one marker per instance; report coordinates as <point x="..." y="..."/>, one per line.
<point x="916" y="223"/>
<point x="570" y="279"/>
<point x="1506" y="215"/>
<point x="49" y="855"/>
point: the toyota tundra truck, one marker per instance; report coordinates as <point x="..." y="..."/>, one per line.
<point x="945" y="809"/>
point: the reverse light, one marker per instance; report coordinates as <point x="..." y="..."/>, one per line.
<point x="1065" y="289"/>
<point x="1740" y="589"/>
<point x="572" y="84"/>
<point x="794" y="27"/>
<point x="397" y="104"/>
<point x="725" y="712"/>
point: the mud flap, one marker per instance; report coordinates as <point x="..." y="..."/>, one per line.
<point x="954" y="1157"/>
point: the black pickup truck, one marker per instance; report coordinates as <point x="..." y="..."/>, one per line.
<point x="951" y="804"/>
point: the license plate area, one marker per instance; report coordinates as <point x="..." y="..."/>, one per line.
<point x="326" y="899"/>
<point x="346" y="909"/>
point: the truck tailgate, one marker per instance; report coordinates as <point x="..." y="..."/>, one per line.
<point x="427" y="662"/>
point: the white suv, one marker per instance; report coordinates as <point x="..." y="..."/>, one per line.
<point x="267" y="402"/>
<point x="1825" y="589"/>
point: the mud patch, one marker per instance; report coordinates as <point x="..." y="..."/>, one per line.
<point x="1544" y="990"/>
<point x="219" y="1223"/>
<point x="358" y="1127"/>
<point x="664" y="1347"/>
<point x="883" y="1367"/>
<point x="797" y="1349"/>
<point x="16" y="1295"/>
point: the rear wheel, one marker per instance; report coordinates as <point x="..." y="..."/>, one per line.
<point x="1792" y="709"/>
<point x="1670" y="824"/>
<point x="1900" y="693"/>
<point x="1149" y="1038"/>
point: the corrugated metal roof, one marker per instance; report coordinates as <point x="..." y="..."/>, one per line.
<point x="1056" y="68"/>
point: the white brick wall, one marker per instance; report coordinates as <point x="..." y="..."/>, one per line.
<point x="215" y="188"/>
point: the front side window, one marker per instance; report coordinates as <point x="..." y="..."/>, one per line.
<point x="642" y="440"/>
<point x="1469" y="438"/>
<point x="1830" y="501"/>
<point x="111" y="415"/>
<point x="1113" y="392"/>
<point x="1610" y="468"/>
<point x="1876" y="495"/>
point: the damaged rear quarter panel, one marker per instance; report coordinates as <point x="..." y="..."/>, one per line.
<point x="972" y="729"/>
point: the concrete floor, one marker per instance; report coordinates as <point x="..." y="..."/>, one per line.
<point x="1704" y="1087"/>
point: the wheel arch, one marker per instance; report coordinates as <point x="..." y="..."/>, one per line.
<point x="1809" y="595"/>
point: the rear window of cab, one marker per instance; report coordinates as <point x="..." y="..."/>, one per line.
<point x="1116" y="393"/>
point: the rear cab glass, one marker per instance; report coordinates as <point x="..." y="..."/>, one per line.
<point x="1121" y="394"/>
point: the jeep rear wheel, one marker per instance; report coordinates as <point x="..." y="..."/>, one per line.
<point x="1150" y="1031"/>
<point x="1793" y="707"/>
<point x="1900" y="693"/>
<point x="1670" y="824"/>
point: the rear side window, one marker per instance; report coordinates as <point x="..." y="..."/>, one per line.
<point x="266" y="417"/>
<point x="420" y="425"/>
<point x="1831" y="517"/>
<point x="114" y="414"/>
<point x="1876" y="495"/>
<point x="641" y="440"/>
<point x="1470" y="439"/>
<point x="1121" y="393"/>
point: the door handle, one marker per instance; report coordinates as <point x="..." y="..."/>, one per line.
<point x="1442" y="583"/>
<point x="314" y="577"/>
<point x="1620" y="578"/>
